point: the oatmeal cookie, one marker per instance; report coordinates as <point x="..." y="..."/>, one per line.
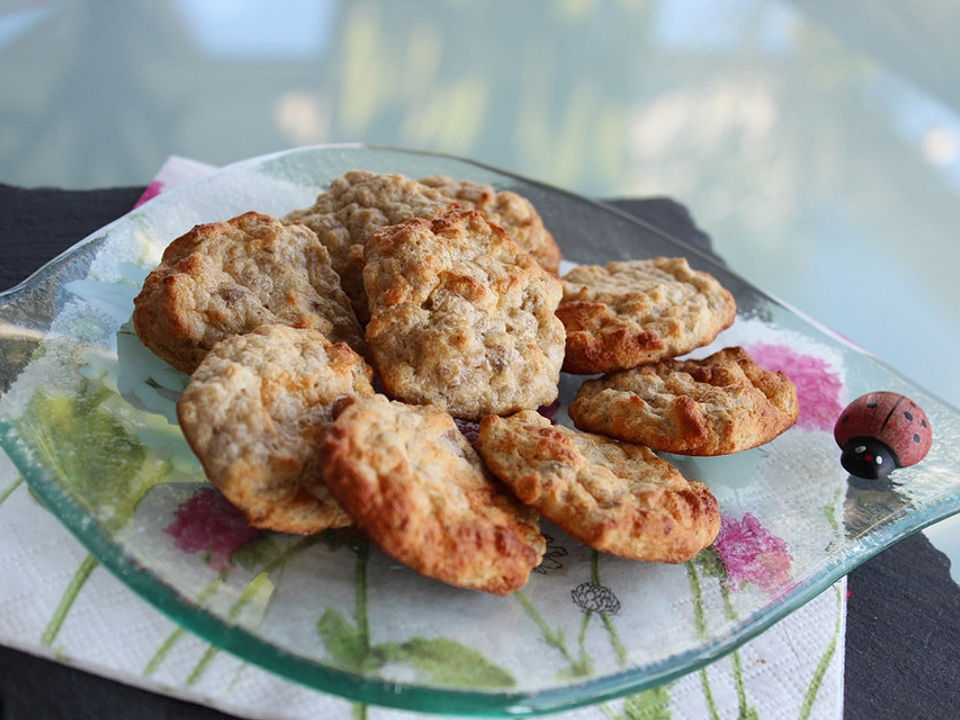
<point x="413" y="483"/>
<point x="461" y="317"/>
<point x="253" y="413"/>
<point x="513" y="212"/>
<point x="631" y="312"/>
<point x="615" y="497"/>
<point x="228" y="278"/>
<point x="718" y="405"/>
<point x="356" y="205"/>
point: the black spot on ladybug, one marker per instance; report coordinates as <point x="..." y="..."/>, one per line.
<point x="923" y="423"/>
<point x="845" y="418"/>
<point x="871" y="405"/>
<point x="907" y="415"/>
<point x="916" y="438"/>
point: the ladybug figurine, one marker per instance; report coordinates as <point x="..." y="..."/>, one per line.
<point x="881" y="431"/>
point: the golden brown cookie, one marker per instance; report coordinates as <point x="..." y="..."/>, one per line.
<point x="461" y="317"/>
<point x="353" y="207"/>
<point x="414" y="484"/>
<point x="718" y="405"/>
<point x="615" y="497"/>
<point x="253" y="413"/>
<point x="631" y="312"/>
<point x="228" y="278"/>
<point x="511" y="211"/>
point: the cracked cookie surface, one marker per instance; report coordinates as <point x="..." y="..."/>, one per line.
<point x="461" y="317"/>
<point x="721" y="404"/>
<point x="354" y="206"/>
<point x="413" y="483"/>
<point x="513" y="212"/>
<point x="630" y="312"/>
<point x="253" y="413"/>
<point x="615" y="497"/>
<point x="228" y="278"/>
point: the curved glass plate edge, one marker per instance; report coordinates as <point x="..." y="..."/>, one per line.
<point x="412" y="697"/>
<point x="54" y="262"/>
<point x="57" y="261"/>
<point x="360" y="688"/>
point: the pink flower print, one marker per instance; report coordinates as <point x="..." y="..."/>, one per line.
<point x="208" y="522"/>
<point x="750" y="554"/>
<point x="153" y="189"/>
<point x="818" y="389"/>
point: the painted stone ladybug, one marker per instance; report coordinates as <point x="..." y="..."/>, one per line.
<point x="881" y="431"/>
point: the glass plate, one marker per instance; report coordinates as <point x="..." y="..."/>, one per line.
<point x="87" y="415"/>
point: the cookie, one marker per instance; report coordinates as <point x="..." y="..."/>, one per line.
<point x="615" y="497"/>
<point x="513" y="212"/>
<point x="414" y="484"/>
<point x="353" y="207"/>
<point x="228" y="278"/>
<point x="631" y="312"/>
<point x="253" y="413"/>
<point x="460" y="317"/>
<point x="718" y="405"/>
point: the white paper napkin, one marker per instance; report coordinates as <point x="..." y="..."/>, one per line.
<point x="55" y="601"/>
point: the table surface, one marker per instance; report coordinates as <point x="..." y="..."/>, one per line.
<point x="817" y="142"/>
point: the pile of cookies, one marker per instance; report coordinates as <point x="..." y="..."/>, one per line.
<point x="333" y="352"/>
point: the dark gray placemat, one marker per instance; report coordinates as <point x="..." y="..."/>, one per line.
<point x="37" y="225"/>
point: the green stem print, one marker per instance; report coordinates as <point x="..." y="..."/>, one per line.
<point x="360" y="596"/>
<point x="652" y="704"/>
<point x="174" y="637"/>
<point x="594" y="599"/>
<point x="700" y="623"/>
<point x="439" y="660"/>
<point x="744" y="711"/>
<point x="8" y="491"/>
<point x="830" y="512"/>
<point x="584" y="665"/>
<point x="360" y="711"/>
<point x="261" y="586"/>
<point x="744" y="553"/>
<point x="553" y="638"/>
<point x="713" y="564"/>
<point x="91" y="455"/>
<point x="66" y="601"/>
<point x="605" y="616"/>
<point x="814" y="688"/>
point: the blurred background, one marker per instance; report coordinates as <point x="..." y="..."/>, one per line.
<point x="817" y="142"/>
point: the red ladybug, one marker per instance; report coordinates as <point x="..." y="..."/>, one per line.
<point x="881" y="431"/>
